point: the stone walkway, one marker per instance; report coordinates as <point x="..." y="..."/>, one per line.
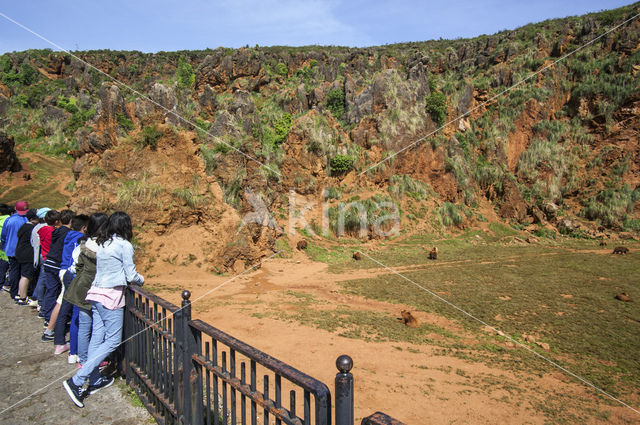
<point x="31" y="379"/>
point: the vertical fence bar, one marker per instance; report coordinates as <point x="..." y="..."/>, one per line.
<point x="254" y="413"/>
<point x="344" y="391"/>
<point x="278" y="388"/>
<point x="243" y="398"/>
<point x="232" y="370"/>
<point x="208" y="384"/>
<point x="224" y="389"/>
<point x="266" y="397"/>
<point x="216" y="396"/>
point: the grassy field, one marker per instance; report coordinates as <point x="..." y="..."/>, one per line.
<point x="560" y="290"/>
<point x="43" y="189"/>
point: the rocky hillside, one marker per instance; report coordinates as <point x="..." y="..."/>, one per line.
<point x="203" y="138"/>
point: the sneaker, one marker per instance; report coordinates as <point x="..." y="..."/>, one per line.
<point x="39" y="307"/>
<point x="103" y="365"/>
<point x="100" y="384"/>
<point x="6" y="289"/>
<point x="72" y="359"/>
<point x="60" y="349"/>
<point x="33" y="303"/>
<point x="47" y="337"/>
<point x="22" y="301"/>
<point x="46" y="323"/>
<point x="78" y="366"/>
<point x="76" y="393"/>
<point x="41" y="315"/>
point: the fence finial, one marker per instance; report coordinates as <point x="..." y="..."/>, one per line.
<point x="186" y="294"/>
<point x="344" y="391"/>
<point x="344" y="363"/>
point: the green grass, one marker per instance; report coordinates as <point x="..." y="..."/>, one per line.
<point x="42" y="189"/>
<point x="591" y="328"/>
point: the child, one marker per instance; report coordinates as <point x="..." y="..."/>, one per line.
<point x="24" y="255"/>
<point x="52" y="285"/>
<point x="78" y="227"/>
<point x="5" y="212"/>
<point x="8" y="241"/>
<point x="76" y="293"/>
<point x="114" y="270"/>
<point x="52" y="220"/>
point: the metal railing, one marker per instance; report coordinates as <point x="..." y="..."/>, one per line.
<point x="188" y="372"/>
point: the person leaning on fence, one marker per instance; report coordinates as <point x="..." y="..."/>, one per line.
<point x="8" y="241"/>
<point x="114" y="270"/>
<point x="67" y="273"/>
<point x="52" y="284"/>
<point x="85" y="269"/>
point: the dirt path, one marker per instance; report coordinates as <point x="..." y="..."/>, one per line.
<point x="32" y="376"/>
<point x="414" y="383"/>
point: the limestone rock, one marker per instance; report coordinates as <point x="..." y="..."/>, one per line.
<point x="8" y="159"/>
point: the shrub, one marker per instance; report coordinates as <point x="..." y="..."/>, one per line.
<point x="342" y="163"/>
<point x="436" y="105"/>
<point x="281" y="69"/>
<point x="611" y="207"/>
<point x="68" y="104"/>
<point x="149" y="136"/>
<point x="336" y="103"/>
<point x="184" y="74"/>
<point x="405" y="185"/>
<point x="450" y="215"/>
<point x="124" y="122"/>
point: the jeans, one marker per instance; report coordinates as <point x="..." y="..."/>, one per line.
<point x="13" y="277"/>
<point x="73" y="331"/>
<point x="105" y="338"/>
<point x="52" y="288"/>
<point x="64" y="315"/>
<point x="84" y="334"/>
<point x="4" y="267"/>
<point x="38" y="291"/>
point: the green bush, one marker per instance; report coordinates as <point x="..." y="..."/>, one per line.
<point x="436" y="105"/>
<point x="450" y="215"/>
<point x="68" y="104"/>
<point x="611" y="207"/>
<point x="342" y="163"/>
<point x="149" y="136"/>
<point x="281" y="69"/>
<point x="405" y="185"/>
<point x="124" y="122"/>
<point x="184" y="74"/>
<point x="336" y="103"/>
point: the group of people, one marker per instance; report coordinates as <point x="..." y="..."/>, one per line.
<point x="72" y="269"/>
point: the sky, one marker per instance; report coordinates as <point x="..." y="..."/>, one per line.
<point x="163" y="25"/>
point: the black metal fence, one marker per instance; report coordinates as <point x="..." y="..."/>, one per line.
<point x="188" y="372"/>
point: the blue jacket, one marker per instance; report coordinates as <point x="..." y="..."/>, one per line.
<point x="114" y="264"/>
<point x="3" y="256"/>
<point x="9" y="236"/>
<point x="70" y="243"/>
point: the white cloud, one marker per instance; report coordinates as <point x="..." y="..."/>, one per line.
<point x="289" y="22"/>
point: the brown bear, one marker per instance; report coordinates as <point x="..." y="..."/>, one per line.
<point x="623" y="297"/>
<point x="302" y="245"/>
<point x="408" y="319"/>
<point x="356" y="256"/>
<point x="603" y="243"/>
<point x="433" y="254"/>
<point x="620" y="250"/>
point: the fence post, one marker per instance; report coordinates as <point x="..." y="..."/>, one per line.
<point x="128" y="331"/>
<point x="186" y="359"/>
<point x="344" y="391"/>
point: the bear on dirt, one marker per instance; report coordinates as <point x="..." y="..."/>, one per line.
<point x="408" y="319"/>
<point x="302" y="245"/>
<point x="620" y="250"/>
<point x="433" y="254"/>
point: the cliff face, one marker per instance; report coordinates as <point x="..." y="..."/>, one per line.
<point x="189" y="137"/>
